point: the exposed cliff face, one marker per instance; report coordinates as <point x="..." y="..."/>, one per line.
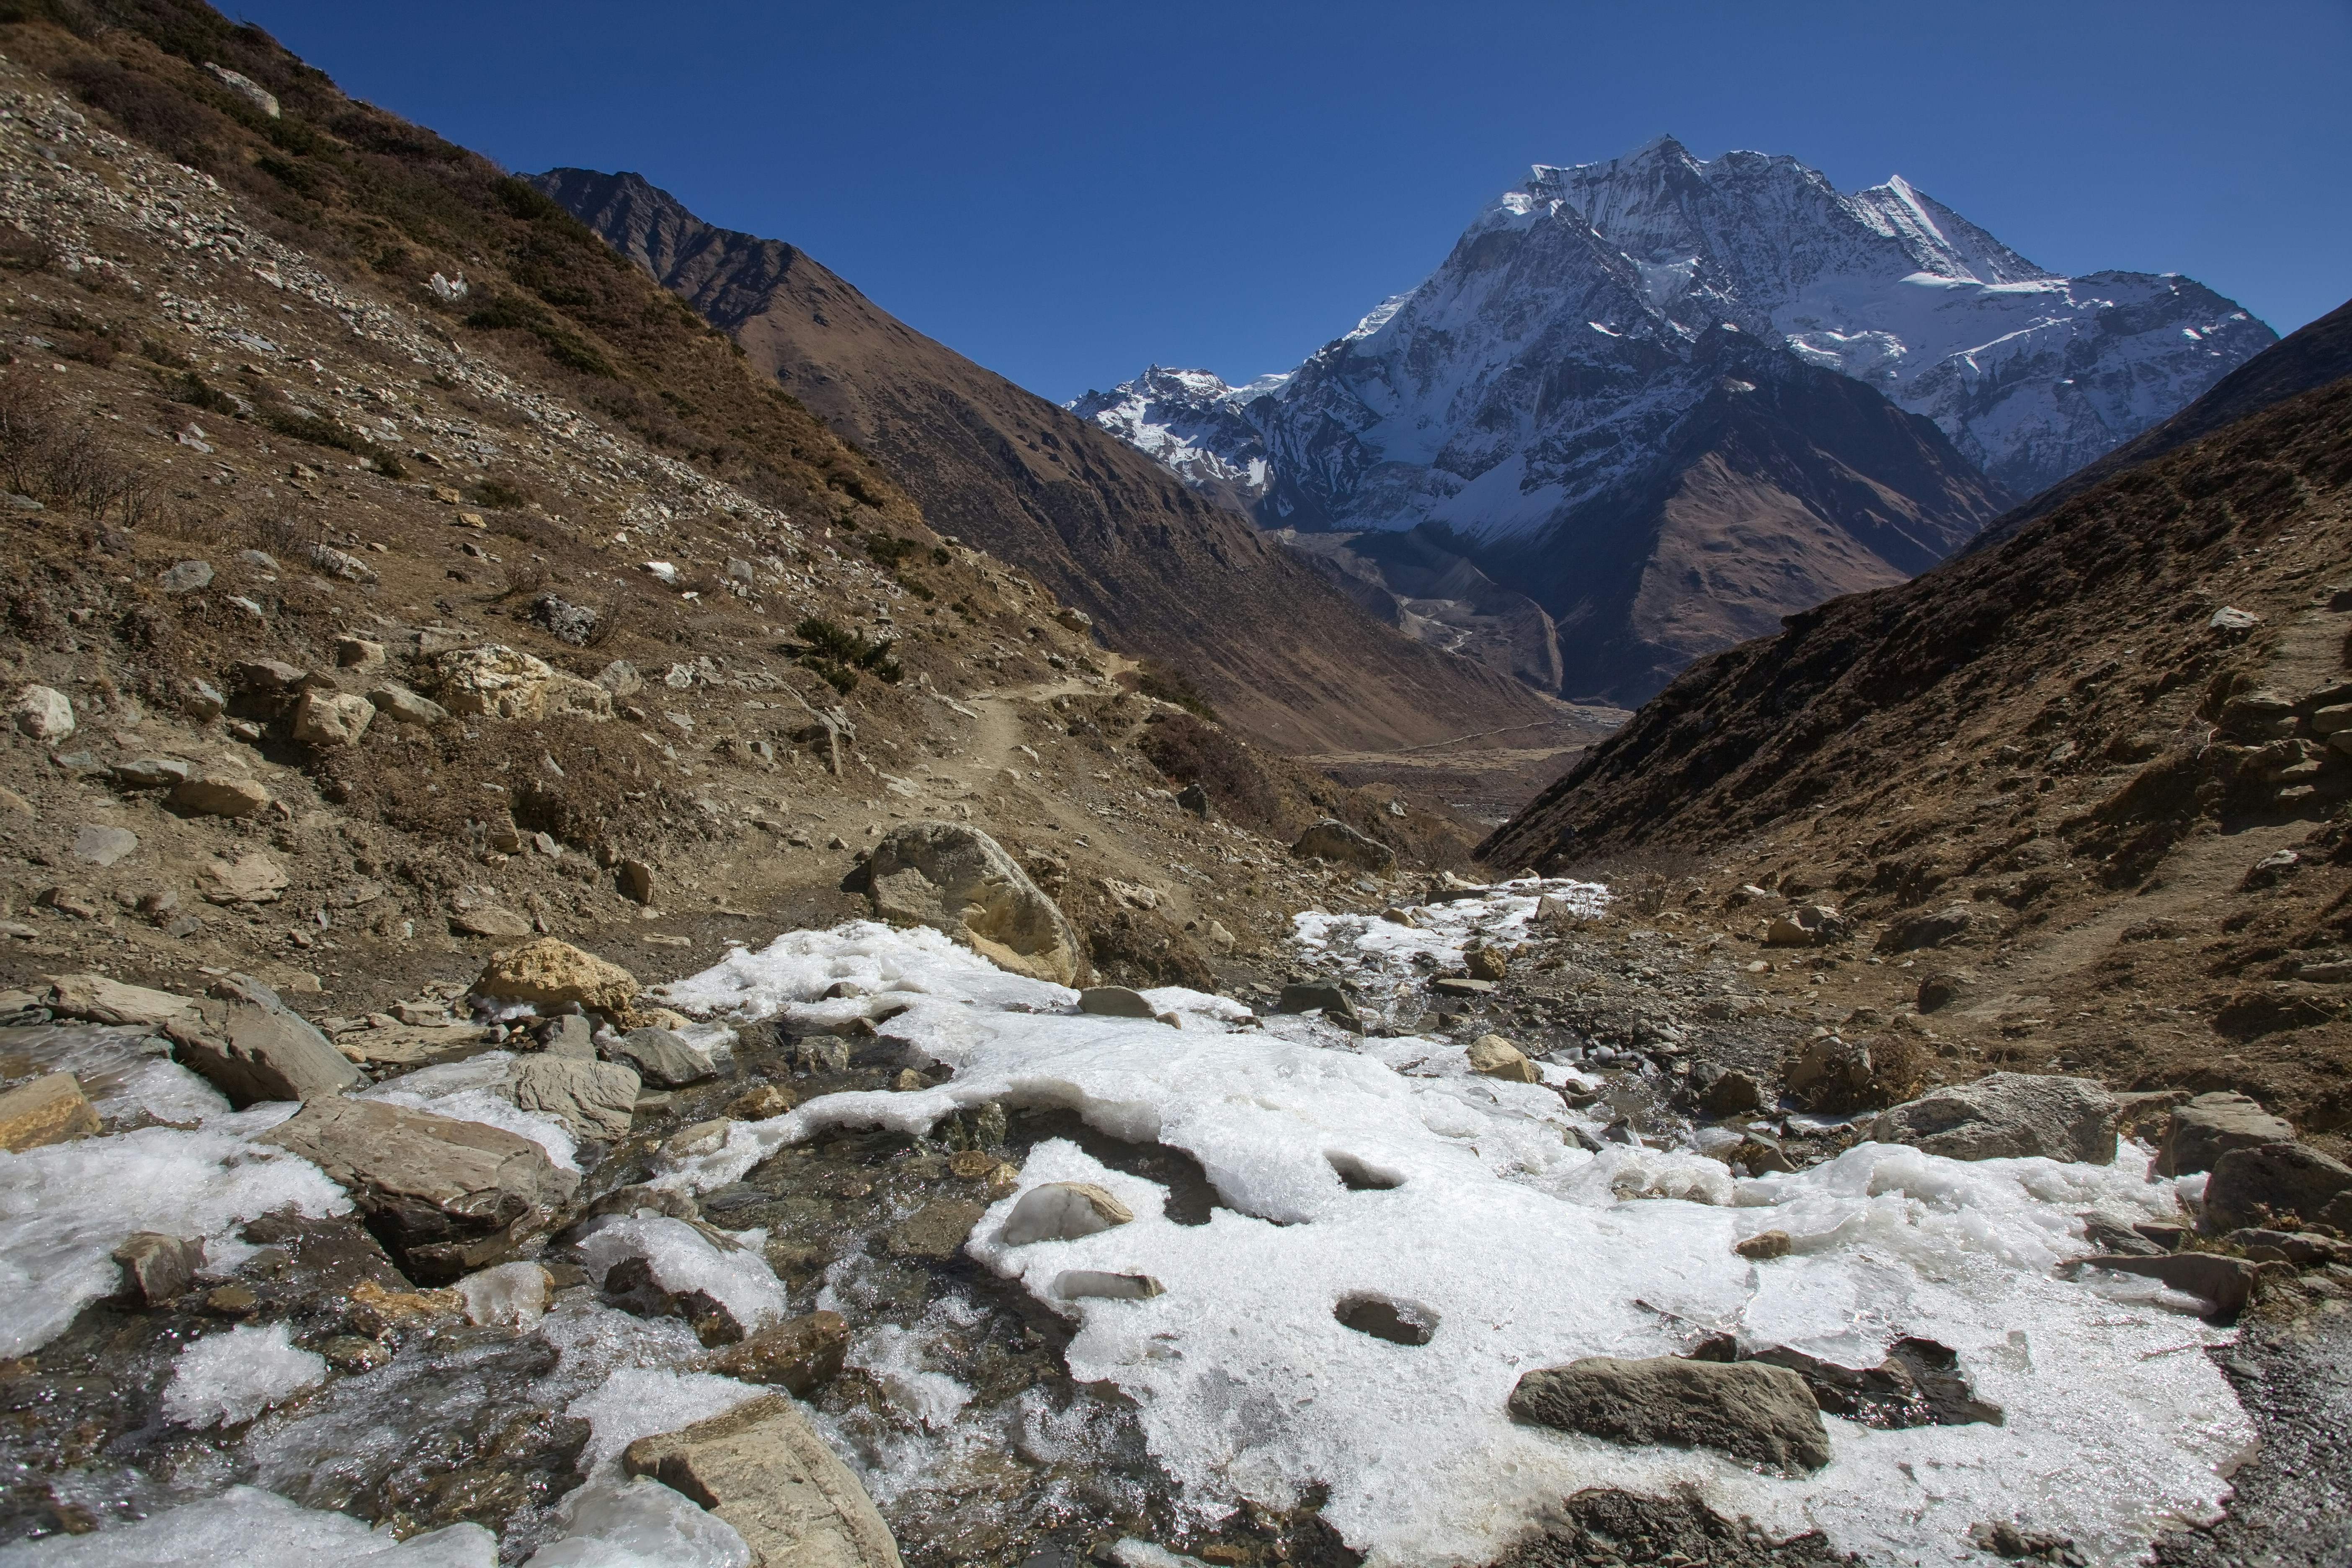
<point x="1164" y="573"/>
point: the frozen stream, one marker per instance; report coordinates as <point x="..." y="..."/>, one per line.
<point x="1342" y="1168"/>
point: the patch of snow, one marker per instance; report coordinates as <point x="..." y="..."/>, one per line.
<point x="642" y="1402"/>
<point x="639" y="1523"/>
<point x="223" y="1380"/>
<point x="254" y="1529"/>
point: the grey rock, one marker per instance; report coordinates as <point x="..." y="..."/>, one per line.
<point x="1929" y="929"/>
<point x="568" y="1036"/>
<point x="2253" y="1187"/>
<point x="764" y="1470"/>
<point x="1725" y="1091"/>
<point x="1333" y="840"/>
<point x="217" y="793"/>
<point x="1081" y="1284"/>
<point x="1062" y="1211"/>
<point x="44" y="714"/>
<point x="660" y="1058"/>
<point x="621" y="678"/>
<point x="402" y="705"/>
<point x="591" y="1098"/>
<point x="2008" y="1115"/>
<point x="185" y="578"/>
<point x="260" y="560"/>
<point x="636" y="880"/>
<point x="158" y="1268"/>
<point x="251" y="1046"/>
<point x="334" y="563"/>
<point x="1765" y="1414"/>
<point x="1831" y="1075"/>
<point x="2227" y="1282"/>
<point x="151" y="772"/>
<point x="103" y="846"/>
<point x="201" y="699"/>
<point x="268" y="677"/>
<point x="2209" y="1126"/>
<point x="955" y="879"/>
<point x="1325" y="996"/>
<point x="445" y="1196"/>
<point x="1115" y="1002"/>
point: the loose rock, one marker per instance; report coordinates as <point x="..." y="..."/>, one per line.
<point x="44" y="714"/>
<point x="2227" y="1282"/>
<point x="1491" y="1055"/>
<point x="217" y="793"/>
<point x="2006" y="1116"/>
<point x="764" y="1470"/>
<point x="956" y="878"/>
<point x="1115" y="1002"/>
<point x="185" y="578"/>
<point x="2251" y="1186"/>
<point x="103" y="1001"/>
<point x="325" y="721"/>
<point x="255" y="879"/>
<point x="104" y="846"/>
<point x="1765" y="1414"/>
<point x="500" y="682"/>
<point x="1062" y="1211"/>
<point x="2209" y="1126"/>
<point x="591" y="1098"/>
<point x="1806" y="925"/>
<point x="1333" y="840"/>
<point x="1727" y="1091"/>
<point x="1926" y="930"/>
<point x="402" y="706"/>
<point x="660" y="1058"/>
<point x="1083" y="1284"/>
<point x="1765" y="1245"/>
<point x="553" y="976"/>
<point x="158" y="1268"/>
<point x="251" y="1047"/>
<point x="49" y="1110"/>
<point x="938" y="1229"/>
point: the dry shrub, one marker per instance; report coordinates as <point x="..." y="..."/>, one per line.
<point x="1190" y="751"/>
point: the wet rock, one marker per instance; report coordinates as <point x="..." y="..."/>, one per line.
<point x="498" y="682"/>
<point x="1062" y="1211"/>
<point x="49" y="1110"/>
<point x="103" y="1001"/>
<point x="2115" y="1234"/>
<point x="1325" y="996"/>
<point x="158" y="1268"/>
<point x="957" y="879"/>
<point x="569" y="1035"/>
<point x="1763" y="1155"/>
<point x="1806" y="925"/>
<point x="2226" y="1283"/>
<point x="938" y="1229"/>
<point x="2200" y="1132"/>
<point x="1386" y="1317"/>
<point x="2004" y="1539"/>
<point x="1491" y="1055"/>
<point x="1115" y="1002"/>
<point x="762" y="1469"/>
<point x="1926" y="930"/>
<point x="761" y="1102"/>
<point x="44" y="714"/>
<point x="1725" y="1091"/>
<point x="2253" y="1187"/>
<point x="402" y="705"/>
<point x="216" y="792"/>
<point x="1083" y="1284"/>
<point x="254" y="878"/>
<point x="554" y="977"/>
<point x="1765" y="1414"/>
<point x="660" y="1058"/>
<point x="799" y="1354"/>
<point x="1919" y="1384"/>
<point x="2006" y="1116"/>
<point x="447" y="1197"/>
<point x="325" y="721"/>
<point x="591" y="1098"/>
<point x="1335" y="841"/>
<point x="252" y="1047"/>
<point x="1765" y="1245"/>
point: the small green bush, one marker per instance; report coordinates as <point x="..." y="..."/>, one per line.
<point x="838" y="655"/>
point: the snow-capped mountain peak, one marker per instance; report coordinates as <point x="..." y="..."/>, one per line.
<point x="1191" y="422"/>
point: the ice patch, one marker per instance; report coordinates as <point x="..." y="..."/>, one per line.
<point x="64" y="1209"/>
<point x="683" y="1259"/>
<point x="225" y="1379"/>
<point x="641" y="1402"/>
<point x="1515" y="1249"/>
<point x="513" y="1295"/>
<point x="256" y="1529"/>
<point x="639" y="1523"/>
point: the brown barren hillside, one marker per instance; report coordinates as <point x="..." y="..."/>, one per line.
<point x="1165" y="574"/>
<point x="2092" y="781"/>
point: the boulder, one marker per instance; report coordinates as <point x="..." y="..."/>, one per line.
<point x="1491" y="1055"/>
<point x="217" y="792"/>
<point x="1486" y="962"/>
<point x="1727" y="1091"/>
<point x="49" y="1110"/>
<point x="100" y="1000"/>
<point x="1806" y="925"/>
<point x="1763" y="1414"/>
<point x="2008" y="1115"/>
<point x="554" y="977"/>
<point x="1926" y="930"/>
<point x="251" y="1046"/>
<point x="185" y="578"/>
<point x="2227" y="1282"/>
<point x="1832" y="1075"/>
<point x="591" y="1098"/>
<point x="498" y="682"/>
<point x="799" y="1354"/>
<point x="255" y="879"/>
<point x="1327" y="997"/>
<point x="158" y="1268"/>
<point x="763" y="1469"/>
<point x="1116" y="1002"/>
<point x="660" y="1058"/>
<point x="151" y="772"/>
<point x="445" y="1196"/>
<point x="1062" y="1211"/>
<point x="634" y="879"/>
<point x="327" y="720"/>
<point x="569" y="1035"/>
<point x="956" y="878"/>
<point x="2209" y="1126"/>
<point x="44" y="714"/>
<point x="402" y="705"/>
<point x="621" y="678"/>
<point x="1334" y="840"/>
<point x="2251" y="1186"/>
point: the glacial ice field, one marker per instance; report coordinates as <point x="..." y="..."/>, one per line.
<point x="1467" y="1203"/>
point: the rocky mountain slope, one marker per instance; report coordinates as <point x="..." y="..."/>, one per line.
<point x="2084" y="784"/>
<point x="1164" y="573"/>
<point x="1532" y="401"/>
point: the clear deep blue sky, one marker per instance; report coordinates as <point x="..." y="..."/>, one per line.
<point x="1069" y="192"/>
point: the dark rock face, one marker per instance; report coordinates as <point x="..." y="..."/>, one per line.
<point x="1766" y="1415"/>
<point x="2277" y="1181"/>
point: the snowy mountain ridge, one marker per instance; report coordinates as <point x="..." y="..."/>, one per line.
<point x="1555" y="346"/>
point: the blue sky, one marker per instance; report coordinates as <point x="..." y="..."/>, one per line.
<point x="1067" y="192"/>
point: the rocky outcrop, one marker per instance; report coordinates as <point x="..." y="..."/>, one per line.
<point x="763" y="1469"/>
<point x="1764" y="1414"/>
<point x="498" y="682"/>
<point x="956" y="878"/>
<point x="445" y="1197"/>
<point x="2008" y="1115"/>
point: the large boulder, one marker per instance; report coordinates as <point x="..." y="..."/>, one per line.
<point x="1333" y="840"/>
<point x="498" y="682"/>
<point x="2254" y="1186"/>
<point x="552" y="976"/>
<point x="591" y="1098"/>
<point x="2008" y="1115"/>
<point x="2209" y="1126"/>
<point x="659" y="1057"/>
<point x="763" y="1469"/>
<point x="43" y="713"/>
<point x="252" y="1047"/>
<point x="957" y="879"/>
<point x="445" y="1196"/>
<point x="1765" y="1414"/>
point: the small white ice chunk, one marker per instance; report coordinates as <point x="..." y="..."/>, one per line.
<point x="228" y="1378"/>
<point x="640" y="1524"/>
